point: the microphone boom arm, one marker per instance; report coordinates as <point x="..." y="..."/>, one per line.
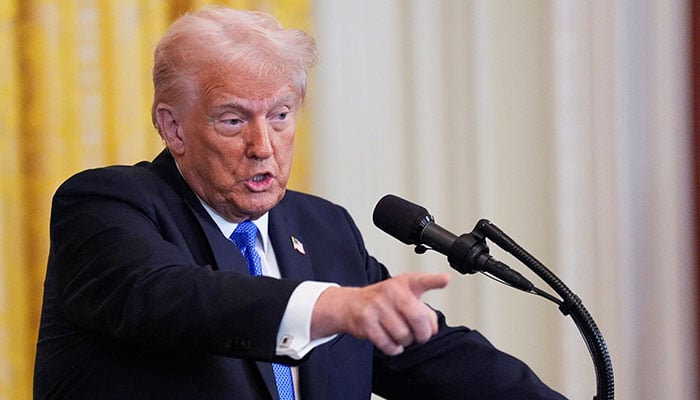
<point x="571" y="305"/>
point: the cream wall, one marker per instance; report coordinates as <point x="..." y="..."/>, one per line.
<point x="565" y="124"/>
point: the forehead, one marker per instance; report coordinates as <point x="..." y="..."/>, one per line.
<point x="224" y="85"/>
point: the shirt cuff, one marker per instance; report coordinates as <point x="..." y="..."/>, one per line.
<point x="294" y="335"/>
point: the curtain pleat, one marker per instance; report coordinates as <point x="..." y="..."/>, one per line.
<point x="16" y="308"/>
<point x="75" y="93"/>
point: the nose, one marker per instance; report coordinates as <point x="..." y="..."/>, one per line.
<point x="259" y="140"/>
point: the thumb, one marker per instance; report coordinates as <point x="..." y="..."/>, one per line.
<point x="422" y="282"/>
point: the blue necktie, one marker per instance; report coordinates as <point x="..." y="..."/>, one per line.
<point x="244" y="237"/>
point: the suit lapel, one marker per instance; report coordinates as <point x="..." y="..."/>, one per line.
<point x="293" y="260"/>
<point x="226" y="253"/>
<point x="292" y="264"/>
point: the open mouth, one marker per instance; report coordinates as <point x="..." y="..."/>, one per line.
<point x="260" y="177"/>
<point x="260" y="182"/>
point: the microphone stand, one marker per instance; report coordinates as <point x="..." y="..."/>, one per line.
<point x="569" y="305"/>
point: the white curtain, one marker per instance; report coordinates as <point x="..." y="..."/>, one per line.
<point x="562" y="122"/>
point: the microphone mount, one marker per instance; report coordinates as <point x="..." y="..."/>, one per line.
<point x="465" y="252"/>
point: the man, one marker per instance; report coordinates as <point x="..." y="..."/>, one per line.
<point x="151" y="293"/>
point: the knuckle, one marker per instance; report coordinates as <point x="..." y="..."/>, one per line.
<point x="403" y="335"/>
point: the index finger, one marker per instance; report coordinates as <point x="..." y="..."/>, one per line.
<point x="422" y="282"/>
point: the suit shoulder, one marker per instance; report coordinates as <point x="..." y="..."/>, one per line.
<point x="110" y="178"/>
<point x="310" y="210"/>
<point x="136" y="185"/>
<point x="308" y="202"/>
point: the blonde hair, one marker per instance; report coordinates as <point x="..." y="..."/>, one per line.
<point x="215" y="35"/>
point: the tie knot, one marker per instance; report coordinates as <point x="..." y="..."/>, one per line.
<point x="244" y="235"/>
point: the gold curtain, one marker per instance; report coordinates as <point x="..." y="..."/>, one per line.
<point x="75" y="93"/>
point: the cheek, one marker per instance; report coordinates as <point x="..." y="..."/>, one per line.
<point x="218" y="163"/>
<point x="223" y="152"/>
<point x="285" y="149"/>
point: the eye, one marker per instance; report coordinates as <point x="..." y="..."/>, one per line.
<point x="282" y="116"/>
<point x="228" y="124"/>
<point x="232" y="121"/>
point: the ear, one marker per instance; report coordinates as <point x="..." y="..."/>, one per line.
<point x="170" y="129"/>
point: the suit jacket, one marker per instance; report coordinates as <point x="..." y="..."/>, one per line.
<point x="144" y="298"/>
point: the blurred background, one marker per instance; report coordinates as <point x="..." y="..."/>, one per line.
<point x="568" y="124"/>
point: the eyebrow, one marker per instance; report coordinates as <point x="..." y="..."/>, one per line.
<point x="288" y="98"/>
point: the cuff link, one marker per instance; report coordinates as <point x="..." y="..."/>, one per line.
<point x="286" y="341"/>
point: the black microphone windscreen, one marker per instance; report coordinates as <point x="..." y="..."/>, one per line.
<point x="400" y="218"/>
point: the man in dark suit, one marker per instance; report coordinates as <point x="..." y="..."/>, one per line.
<point x="148" y="297"/>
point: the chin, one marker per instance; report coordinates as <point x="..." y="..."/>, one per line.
<point x="265" y="203"/>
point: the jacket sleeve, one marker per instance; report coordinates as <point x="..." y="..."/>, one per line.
<point x="128" y="261"/>
<point x="457" y="363"/>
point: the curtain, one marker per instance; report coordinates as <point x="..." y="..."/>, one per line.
<point x="75" y="93"/>
<point x="562" y="122"/>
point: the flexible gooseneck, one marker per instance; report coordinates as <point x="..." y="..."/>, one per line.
<point x="570" y="305"/>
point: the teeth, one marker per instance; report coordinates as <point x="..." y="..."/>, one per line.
<point x="258" y="178"/>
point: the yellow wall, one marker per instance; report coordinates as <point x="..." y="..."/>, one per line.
<point x="75" y="93"/>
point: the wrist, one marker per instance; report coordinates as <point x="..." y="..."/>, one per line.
<point x="327" y="318"/>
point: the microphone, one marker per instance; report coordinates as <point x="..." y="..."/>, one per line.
<point x="468" y="253"/>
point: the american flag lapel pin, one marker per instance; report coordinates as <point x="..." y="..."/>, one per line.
<point x="297" y="245"/>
